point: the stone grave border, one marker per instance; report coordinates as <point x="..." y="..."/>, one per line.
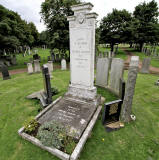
<point x="64" y="156"/>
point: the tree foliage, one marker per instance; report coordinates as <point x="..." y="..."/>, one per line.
<point x="115" y="26"/>
<point x="147" y="29"/>
<point x="54" y="13"/>
<point x="14" y="31"/>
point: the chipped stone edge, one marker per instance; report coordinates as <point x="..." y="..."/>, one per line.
<point x="76" y="153"/>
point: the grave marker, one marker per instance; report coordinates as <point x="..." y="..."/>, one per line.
<point x="63" y="64"/>
<point x="145" y="65"/>
<point x="5" y="72"/>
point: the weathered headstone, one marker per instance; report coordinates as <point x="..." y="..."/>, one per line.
<point x="36" y="66"/>
<point x="14" y="60"/>
<point x="116" y="73"/>
<point x="5" y="72"/>
<point x="130" y="89"/>
<point x="63" y="64"/>
<point x="30" y="68"/>
<point x="157" y="83"/>
<point x="102" y="72"/>
<point x="145" y="65"/>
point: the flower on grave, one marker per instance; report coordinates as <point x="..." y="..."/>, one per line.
<point x="103" y="139"/>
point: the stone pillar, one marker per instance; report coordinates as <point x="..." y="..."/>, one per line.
<point x="63" y="64"/>
<point x="36" y="66"/>
<point x="30" y="68"/>
<point x="145" y="65"/>
<point x="130" y="89"/>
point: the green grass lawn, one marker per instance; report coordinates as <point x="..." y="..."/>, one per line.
<point x="139" y="140"/>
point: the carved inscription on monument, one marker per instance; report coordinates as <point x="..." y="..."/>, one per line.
<point x="81" y="56"/>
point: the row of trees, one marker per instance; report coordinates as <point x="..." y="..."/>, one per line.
<point x="15" y="32"/>
<point x="120" y="26"/>
<point x="141" y="27"/>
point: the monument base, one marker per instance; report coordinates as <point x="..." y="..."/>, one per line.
<point x="82" y="93"/>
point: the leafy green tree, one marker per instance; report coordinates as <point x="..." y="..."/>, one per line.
<point x="54" y="13"/>
<point x="147" y="30"/>
<point x="14" y="31"/>
<point x="115" y="26"/>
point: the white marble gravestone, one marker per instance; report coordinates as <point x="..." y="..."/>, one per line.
<point x="50" y="68"/>
<point x="51" y="65"/>
<point x="30" y="68"/>
<point x="116" y="73"/>
<point x="102" y="72"/>
<point x="36" y="66"/>
<point x="82" y="51"/>
<point x="63" y="64"/>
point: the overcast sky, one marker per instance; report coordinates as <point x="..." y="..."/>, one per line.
<point x="29" y="9"/>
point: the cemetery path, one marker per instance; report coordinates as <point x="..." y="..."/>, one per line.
<point x="153" y="70"/>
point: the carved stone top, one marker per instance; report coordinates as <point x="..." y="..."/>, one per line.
<point x="84" y="7"/>
<point x="82" y="12"/>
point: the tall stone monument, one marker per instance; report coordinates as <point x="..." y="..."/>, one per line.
<point x="82" y="51"/>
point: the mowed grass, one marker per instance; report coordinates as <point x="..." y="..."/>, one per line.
<point x="138" y="140"/>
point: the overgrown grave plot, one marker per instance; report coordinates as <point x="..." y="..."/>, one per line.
<point x="61" y="152"/>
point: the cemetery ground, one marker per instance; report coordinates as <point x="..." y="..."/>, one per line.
<point x="137" y="140"/>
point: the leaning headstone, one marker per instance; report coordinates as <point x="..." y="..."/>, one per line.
<point x="145" y="65"/>
<point x="30" y="68"/>
<point x="63" y="64"/>
<point x="102" y="72"/>
<point x="5" y="72"/>
<point x="36" y="66"/>
<point x="130" y="89"/>
<point x="116" y="73"/>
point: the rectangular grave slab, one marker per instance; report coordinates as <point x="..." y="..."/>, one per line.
<point x="116" y="73"/>
<point x="102" y="72"/>
<point x="72" y="113"/>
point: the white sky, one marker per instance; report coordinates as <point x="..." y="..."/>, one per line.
<point x="29" y="9"/>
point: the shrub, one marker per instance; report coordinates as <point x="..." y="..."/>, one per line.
<point x="54" y="134"/>
<point x="54" y="91"/>
<point x="30" y="125"/>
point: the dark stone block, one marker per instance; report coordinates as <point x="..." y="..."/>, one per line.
<point x="5" y="72"/>
<point x="111" y="112"/>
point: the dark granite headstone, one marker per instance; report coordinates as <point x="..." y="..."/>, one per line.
<point x="111" y="112"/>
<point x="47" y="84"/>
<point x="5" y="72"/>
<point x="52" y="57"/>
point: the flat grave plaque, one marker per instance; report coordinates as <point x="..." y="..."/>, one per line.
<point x="111" y="112"/>
<point x="74" y="114"/>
